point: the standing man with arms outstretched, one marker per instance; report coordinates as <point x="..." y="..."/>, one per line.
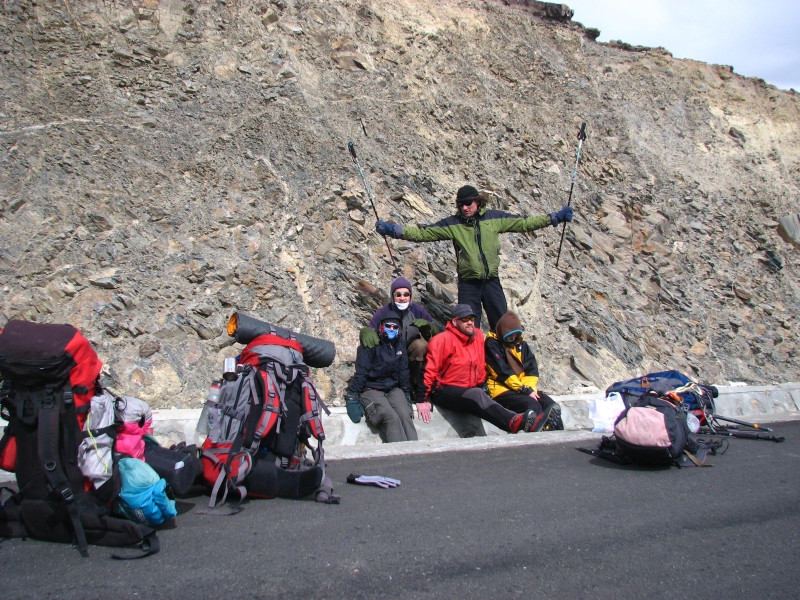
<point x="475" y="231"/>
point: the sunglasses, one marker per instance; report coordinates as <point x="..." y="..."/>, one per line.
<point x="391" y="326"/>
<point x="466" y="202"/>
<point x="402" y="294"/>
<point x="467" y="319"/>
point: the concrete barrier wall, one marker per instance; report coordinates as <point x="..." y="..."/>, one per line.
<point x="176" y="425"/>
<point x="173" y="426"/>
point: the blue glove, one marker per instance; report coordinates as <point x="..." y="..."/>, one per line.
<point x="565" y="214"/>
<point x="354" y="409"/>
<point x="391" y="229"/>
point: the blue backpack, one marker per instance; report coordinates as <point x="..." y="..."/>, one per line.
<point x="695" y="396"/>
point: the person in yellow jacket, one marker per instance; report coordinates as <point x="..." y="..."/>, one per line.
<point x="513" y="375"/>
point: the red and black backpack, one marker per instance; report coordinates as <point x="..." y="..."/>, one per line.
<point x="262" y="423"/>
<point x="49" y="376"/>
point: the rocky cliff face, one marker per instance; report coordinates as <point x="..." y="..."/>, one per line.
<point x="167" y="162"/>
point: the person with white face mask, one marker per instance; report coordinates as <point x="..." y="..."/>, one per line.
<point x="380" y="388"/>
<point x="416" y="328"/>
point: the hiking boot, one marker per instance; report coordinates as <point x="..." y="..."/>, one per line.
<point x="516" y="423"/>
<point x="545" y="418"/>
<point x="531" y="419"/>
<point x="554" y="419"/>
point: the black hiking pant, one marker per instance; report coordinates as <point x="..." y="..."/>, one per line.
<point x="486" y="292"/>
<point x="475" y="402"/>
<point x="523" y="402"/>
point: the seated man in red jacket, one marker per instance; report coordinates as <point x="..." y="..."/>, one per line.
<point x="455" y="372"/>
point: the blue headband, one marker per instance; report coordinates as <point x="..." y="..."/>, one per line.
<point x="510" y="333"/>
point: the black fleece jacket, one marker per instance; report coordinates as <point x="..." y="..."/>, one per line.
<point x="383" y="367"/>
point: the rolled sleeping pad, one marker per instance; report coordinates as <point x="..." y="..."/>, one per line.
<point x="317" y="353"/>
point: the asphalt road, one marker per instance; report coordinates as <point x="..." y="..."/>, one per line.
<point x="535" y="521"/>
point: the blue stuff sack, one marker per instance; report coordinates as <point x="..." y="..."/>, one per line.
<point x="144" y="494"/>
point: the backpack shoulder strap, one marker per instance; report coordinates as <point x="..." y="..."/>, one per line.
<point x="49" y="455"/>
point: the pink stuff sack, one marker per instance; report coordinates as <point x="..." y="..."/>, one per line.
<point x="643" y="427"/>
<point x="137" y="421"/>
<point x="129" y="438"/>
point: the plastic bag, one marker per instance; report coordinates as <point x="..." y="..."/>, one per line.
<point x="604" y="412"/>
<point x="94" y="454"/>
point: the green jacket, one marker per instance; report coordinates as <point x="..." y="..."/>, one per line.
<point x="477" y="239"/>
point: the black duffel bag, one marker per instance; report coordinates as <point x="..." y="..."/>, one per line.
<point x="178" y="465"/>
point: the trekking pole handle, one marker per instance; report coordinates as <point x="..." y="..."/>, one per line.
<point x="352" y="147"/>
<point x="581" y="139"/>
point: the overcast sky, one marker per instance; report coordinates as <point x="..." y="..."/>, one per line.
<point x="759" y="38"/>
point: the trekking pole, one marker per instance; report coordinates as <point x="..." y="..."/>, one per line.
<point x="747" y="435"/>
<point x="352" y="147"/>
<point x="581" y="138"/>
<point x="744" y="423"/>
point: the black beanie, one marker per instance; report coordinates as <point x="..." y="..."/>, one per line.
<point x="467" y="192"/>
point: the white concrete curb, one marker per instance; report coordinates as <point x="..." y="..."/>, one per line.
<point x="458" y="431"/>
<point x="754" y="403"/>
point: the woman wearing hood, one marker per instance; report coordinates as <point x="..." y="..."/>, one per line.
<point x="416" y="327"/>
<point x="380" y="388"/>
<point x="513" y="375"/>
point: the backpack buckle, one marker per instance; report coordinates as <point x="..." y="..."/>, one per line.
<point x="49" y="397"/>
<point x="66" y="493"/>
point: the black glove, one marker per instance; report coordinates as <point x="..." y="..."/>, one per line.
<point x="565" y="214"/>
<point x="368" y="337"/>
<point x="386" y="228"/>
<point x="426" y="328"/>
<point x="354" y="409"/>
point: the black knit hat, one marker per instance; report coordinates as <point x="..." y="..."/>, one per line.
<point x="467" y="192"/>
